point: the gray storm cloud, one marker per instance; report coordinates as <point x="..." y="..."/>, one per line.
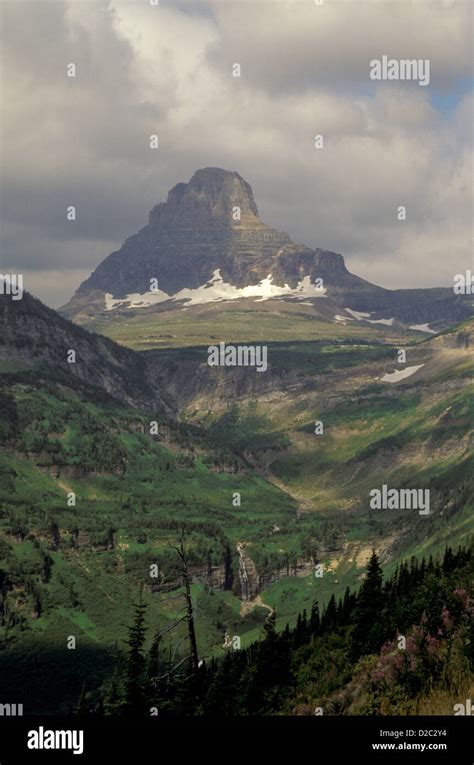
<point x="166" y="70"/>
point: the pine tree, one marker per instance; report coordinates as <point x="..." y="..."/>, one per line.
<point x="368" y="630"/>
<point x="113" y="699"/>
<point x="329" y="617"/>
<point x="268" y="671"/>
<point x="314" y="622"/>
<point x="154" y="658"/>
<point x="348" y="605"/>
<point x="134" y="681"/>
<point x="301" y="629"/>
<point x="448" y="560"/>
<point x="269" y="628"/>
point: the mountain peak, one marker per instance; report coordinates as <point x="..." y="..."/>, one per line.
<point x="213" y="198"/>
<point x="207" y="244"/>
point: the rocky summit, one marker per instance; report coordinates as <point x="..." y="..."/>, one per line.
<point x="207" y="244"/>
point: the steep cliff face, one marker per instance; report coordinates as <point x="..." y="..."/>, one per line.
<point x="208" y="201"/>
<point x="207" y="224"/>
<point x="250" y="582"/>
<point x="215" y="577"/>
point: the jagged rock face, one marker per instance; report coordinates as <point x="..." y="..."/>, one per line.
<point x="207" y="201"/>
<point x="209" y="224"/>
<point x="191" y="235"/>
<point x="208" y="238"/>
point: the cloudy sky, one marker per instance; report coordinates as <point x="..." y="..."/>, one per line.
<point x="167" y="70"/>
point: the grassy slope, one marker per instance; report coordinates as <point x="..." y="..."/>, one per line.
<point x="413" y="434"/>
<point x="239" y="321"/>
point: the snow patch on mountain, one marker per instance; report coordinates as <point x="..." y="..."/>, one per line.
<point x="401" y="374"/>
<point x="216" y="290"/>
<point x="357" y="314"/>
<point x="360" y="316"/>
<point x="423" y="328"/>
<point x="387" y="322"/>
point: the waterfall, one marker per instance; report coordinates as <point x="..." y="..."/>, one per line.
<point x="243" y="574"/>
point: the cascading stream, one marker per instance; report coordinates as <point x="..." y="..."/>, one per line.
<point x="243" y="574"/>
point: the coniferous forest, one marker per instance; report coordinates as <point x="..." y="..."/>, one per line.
<point x="400" y="646"/>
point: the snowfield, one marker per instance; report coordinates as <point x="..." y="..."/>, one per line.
<point x="216" y="290"/>
<point x="402" y="374"/>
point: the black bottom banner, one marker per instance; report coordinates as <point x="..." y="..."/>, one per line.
<point x="365" y="739"/>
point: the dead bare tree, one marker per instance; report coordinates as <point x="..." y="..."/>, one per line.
<point x="186" y="580"/>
